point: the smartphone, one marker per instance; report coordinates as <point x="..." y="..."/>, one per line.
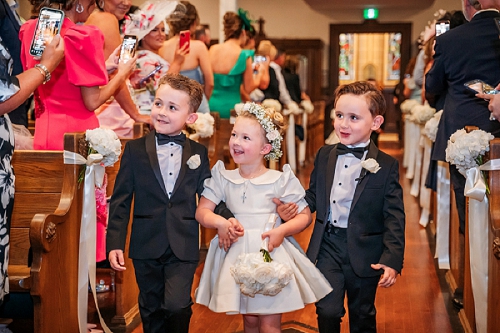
<point x="48" y="25"/>
<point x="128" y="48"/>
<point x="256" y="61"/>
<point x="147" y="77"/>
<point x="442" y="27"/>
<point x="184" y="38"/>
<point x="479" y="86"/>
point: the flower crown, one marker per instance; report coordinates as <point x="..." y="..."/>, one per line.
<point x="272" y="133"/>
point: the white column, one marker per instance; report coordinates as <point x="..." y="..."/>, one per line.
<point x="225" y="6"/>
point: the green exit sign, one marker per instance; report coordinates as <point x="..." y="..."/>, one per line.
<point x="370" y="13"/>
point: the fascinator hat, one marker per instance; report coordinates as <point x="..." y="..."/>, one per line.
<point x="141" y="22"/>
<point x="244" y="16"/>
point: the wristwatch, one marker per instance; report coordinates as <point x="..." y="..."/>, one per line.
<point x="44" y="71"/>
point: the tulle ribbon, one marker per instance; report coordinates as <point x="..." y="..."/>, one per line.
<point x="94" y="176"/>
<point x="475" y="187"/>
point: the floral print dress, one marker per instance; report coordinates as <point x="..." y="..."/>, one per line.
<point x="8" y="87"/>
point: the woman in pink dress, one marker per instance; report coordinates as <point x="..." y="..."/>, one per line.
<point x="79" y="84"/>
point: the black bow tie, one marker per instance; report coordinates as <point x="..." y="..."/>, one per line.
<point x="357" y="152"/>
<point x="164" y="139"/>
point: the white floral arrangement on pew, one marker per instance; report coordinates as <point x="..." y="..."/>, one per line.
<point x="258" y="273"/>
<point x="203" y="127"/>
<point x="408" y="105"/>
<point x="104" y="142"/>
<point x="431" y="126"/>
<point x="420" y="114"/>
<point x="466" y="150"/>
<point x="271" y="104"/>
<point x="307" y="106"/>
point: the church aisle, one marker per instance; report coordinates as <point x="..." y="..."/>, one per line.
<point x="414" y="304"/>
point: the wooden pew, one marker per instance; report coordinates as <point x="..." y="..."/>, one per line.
<point x="46" y="217"/>
<point x="494" y="241"/>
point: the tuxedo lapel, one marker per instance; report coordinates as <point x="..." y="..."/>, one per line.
<point x="186" y="154"/>
<point x="364" y="175"/>
<point x="153" y="158"/>
<point x="330" y="173"/>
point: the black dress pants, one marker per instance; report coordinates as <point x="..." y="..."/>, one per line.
<point x="165" y="293"/>
<point x="333" y="262"/>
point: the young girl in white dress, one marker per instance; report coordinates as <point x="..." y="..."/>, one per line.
<point x="248" y="192"/>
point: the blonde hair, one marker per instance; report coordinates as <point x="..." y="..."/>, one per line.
<point x="266" y="48"/>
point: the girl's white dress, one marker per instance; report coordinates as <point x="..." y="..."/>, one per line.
<point x="250" y="200"/>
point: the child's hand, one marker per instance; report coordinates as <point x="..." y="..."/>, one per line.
<point x="286" y="211"/>
<point x="116" y="260"/>
<point x="389" y="276"/>
<point x="224" y="229"/>
<point x="236" y="230"/>
<point x="276" y="237"/>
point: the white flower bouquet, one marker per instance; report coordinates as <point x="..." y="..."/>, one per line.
<point x="203" y="127"/>
<point x="466" y="150"/>
<point x="420" y="114"/>
<point x="104" y="142"/>
<point x="258" y="273"/>
<point x="408" y="105"/>
<point x="431" y="126"/>
<point x="271" y="103"/>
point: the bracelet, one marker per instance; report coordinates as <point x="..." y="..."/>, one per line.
<point x="44" y="71"/>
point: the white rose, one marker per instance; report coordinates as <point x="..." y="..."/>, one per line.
<point x="371" y="165"/>
<point x="272" y="135"/>
<point x="271" y="289"/>
<point x="194" y="162"/>
<point x="264" y="273"/>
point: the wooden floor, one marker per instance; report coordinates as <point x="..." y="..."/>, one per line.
<point x="418" y="302"/>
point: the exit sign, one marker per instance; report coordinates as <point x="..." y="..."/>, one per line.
<point x="370" y="13"/>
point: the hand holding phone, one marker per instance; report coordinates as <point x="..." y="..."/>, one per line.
<point x="128" y="48"/>
<point x="48" y="25"/>
<point x="184" y="38"/>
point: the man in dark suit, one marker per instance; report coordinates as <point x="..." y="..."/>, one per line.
<point x="358" y="234"/>
<point x="163" y="173"/>
<point x="467" y="52"/>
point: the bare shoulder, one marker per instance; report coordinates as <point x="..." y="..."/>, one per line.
<point x="103" y="20"/>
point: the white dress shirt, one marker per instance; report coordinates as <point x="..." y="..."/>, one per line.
<point x="285" y="98"/>
<point x="347" y="170"/>
<point x="169" y="158"/>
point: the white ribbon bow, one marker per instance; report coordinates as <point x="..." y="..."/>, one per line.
<point x="475" y="186"/>
<point x="94" y="176"/>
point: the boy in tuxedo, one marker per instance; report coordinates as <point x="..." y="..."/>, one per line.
<point x="359" y="230"/>
<point x="163" y="172"/>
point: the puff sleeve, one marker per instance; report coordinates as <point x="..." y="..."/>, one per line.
<point x="84" y="56"/>
<point x="214" y="186"/>
<point x="289" y="189"/>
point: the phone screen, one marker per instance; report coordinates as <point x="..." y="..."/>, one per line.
<point x="442" y="27"/>
<point x="127" y="51"/>
<point x="153" y="72"/>
<point x="480" y="86"/>
<point x="256" y="61"/>
<point x="48" y="25"/>
<point x="184" y="38"/>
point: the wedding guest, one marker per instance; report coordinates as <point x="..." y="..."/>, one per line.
<point x="14" y="90"/>
<point x="196" y="63"/>
<point x="455" y="64"/>
<point x="250" y="146"/>
<point x="148" y="24"/>
<point x="119" y="113"/>
<point x="358" y="238"/>
<point x="292" y="79"/>
<point x="202" y="33"/>
<point x="232" y="65"/>
<point x="165" y="235"/>
<point x="79" y="84"/>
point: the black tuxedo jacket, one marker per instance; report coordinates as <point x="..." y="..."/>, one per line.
<point x="376" y="223"/>
<point x="272" y="91"/>
<point x="467" y="52"/>
<point x="158" y="221"/>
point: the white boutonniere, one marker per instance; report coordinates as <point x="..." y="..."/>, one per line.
<point x="370" y="165"/>
<point x="194" y="162"/>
